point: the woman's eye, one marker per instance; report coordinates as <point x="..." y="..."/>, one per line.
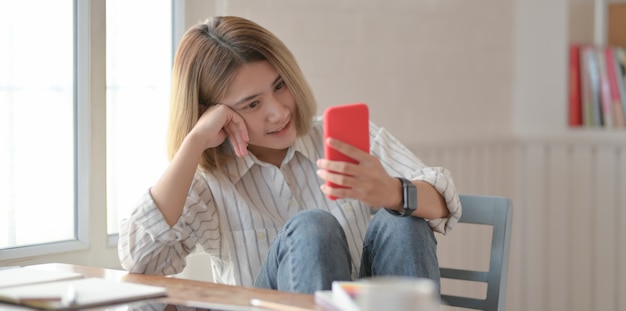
<point x="279" y="86"/>
<point x="253" y="104"/>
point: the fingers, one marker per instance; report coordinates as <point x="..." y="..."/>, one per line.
<point x="345" y="186"/>
<point x="353" y="152"/>
<point x="338" y="192"/>
<point x="363" y="159"/>
<point x="340" y="172"/>
<point x="220" y="122"/>
<point x="347" y="179"/>
<point x="238" y="134"/>
<point x="335" y="177"/>
<point x="366" y="180"/>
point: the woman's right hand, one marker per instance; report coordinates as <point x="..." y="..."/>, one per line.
<point x="219" y="122"/>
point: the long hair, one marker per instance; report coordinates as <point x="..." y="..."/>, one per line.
<point x="206" y="61"/>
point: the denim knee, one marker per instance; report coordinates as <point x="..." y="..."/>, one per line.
<point x="316" y="223"/>
<point x="399" y="246"/>
<point x="308" y="254"/>
<point x="394" y="226"/>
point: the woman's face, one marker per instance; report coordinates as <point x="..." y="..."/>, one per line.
<point x="259" y="94"/>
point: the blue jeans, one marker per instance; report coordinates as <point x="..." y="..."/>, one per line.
<point x="299" y="258"/>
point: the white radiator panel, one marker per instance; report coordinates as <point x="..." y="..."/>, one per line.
<point x="568" y="249"/>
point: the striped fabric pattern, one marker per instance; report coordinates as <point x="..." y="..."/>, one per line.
<point x="234" y="215"/>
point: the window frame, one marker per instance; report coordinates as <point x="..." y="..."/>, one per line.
<point x="82" y="136"/>
<point x="91" y="244"/>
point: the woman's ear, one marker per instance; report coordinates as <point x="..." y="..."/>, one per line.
<point x="202" y="107"/>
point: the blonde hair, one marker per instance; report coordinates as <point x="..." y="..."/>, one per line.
<point x="206" y="61"/>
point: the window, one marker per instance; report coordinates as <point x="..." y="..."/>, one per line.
<point x="38" y="109"/>
<point x="139" y="60"/>
<point x="51" y="180"/>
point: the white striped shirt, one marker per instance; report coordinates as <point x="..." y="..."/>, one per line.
<point x="234" y="215"/>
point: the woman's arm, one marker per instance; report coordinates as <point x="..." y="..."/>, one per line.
<point x="214" y="126"/>
<point x="430" y="203"/>
<point x="155" y="239"/>
<point x="373" y="180"/>
<point x="170" y="191"/>
<point x="147" y="244"/>
<point x="368" y="182"/>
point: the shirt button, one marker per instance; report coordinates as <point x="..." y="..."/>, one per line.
<point x="347" y="207"/>
<point x="261" y="235"/>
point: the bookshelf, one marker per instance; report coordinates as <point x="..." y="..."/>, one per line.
<point x="596" y="74"/>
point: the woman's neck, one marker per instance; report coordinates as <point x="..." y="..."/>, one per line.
<point x="268" y="155"/>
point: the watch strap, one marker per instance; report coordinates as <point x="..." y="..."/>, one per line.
<point x="409" y="197"/>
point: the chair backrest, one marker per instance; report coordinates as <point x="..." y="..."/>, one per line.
<point x="497" y="212"/>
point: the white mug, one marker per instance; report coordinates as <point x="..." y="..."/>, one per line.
<point x="398" y="294"/>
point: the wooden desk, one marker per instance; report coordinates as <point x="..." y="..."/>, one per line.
<point x="183" y="291"/>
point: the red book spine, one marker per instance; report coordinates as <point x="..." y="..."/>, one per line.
<point x="575" y="102"/>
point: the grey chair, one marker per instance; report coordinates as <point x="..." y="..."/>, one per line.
<point x="497" y="212"/>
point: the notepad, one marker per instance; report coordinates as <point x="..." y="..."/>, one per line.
<point x="24" y="276"/>
<point x="342" y="297"/>
<point x="380" y="293"/>
<point x="89" y="292"/>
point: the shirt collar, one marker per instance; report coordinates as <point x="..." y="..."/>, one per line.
<point x="237" y="167"/>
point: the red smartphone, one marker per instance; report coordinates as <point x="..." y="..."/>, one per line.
<point x="350" y="124"/>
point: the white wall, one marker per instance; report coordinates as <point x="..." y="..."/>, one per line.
<point x="541" y="42"/>
<point x="430" y="70"/>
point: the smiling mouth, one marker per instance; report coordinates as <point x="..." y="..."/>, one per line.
<point x="280" y="129"/>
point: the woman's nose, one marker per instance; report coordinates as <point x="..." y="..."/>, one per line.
<point x="276" y="110"/>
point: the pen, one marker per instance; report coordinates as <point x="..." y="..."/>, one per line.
<point x="69" y="299"/>
<point x="37" y="299"/>
<point x="275" y="306"/>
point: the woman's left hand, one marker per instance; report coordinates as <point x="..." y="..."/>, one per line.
<point x="366" y="180"/>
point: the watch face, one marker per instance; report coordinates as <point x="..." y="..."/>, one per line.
<point x="411" y="198"/>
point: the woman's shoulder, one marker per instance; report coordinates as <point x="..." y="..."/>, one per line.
<point x="317" y="121"/>
<point x="211" y="179"/>
<point x="317" y="126"/>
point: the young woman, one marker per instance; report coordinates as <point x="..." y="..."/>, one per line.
<point x="246" y="180"/>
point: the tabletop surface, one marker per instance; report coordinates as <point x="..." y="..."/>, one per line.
<point x="194" y="294"/>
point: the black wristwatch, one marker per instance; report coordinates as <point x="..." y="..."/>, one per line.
<point x="409" y="198"/>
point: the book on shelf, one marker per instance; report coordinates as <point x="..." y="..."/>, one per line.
<point x="617" y="107"/>
<point x="597" y="88"/>
<point x="606" y="104"/>
<point x="585" y="87"/>
<point x="575" y="100"/>
<point x="620" y="73"/>
<point x="590" y="90"/>
<point x="68" y="290"/>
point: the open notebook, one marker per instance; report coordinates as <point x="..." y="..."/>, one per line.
<point x="25" y="275"/>
<point x="78" y="293"/>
